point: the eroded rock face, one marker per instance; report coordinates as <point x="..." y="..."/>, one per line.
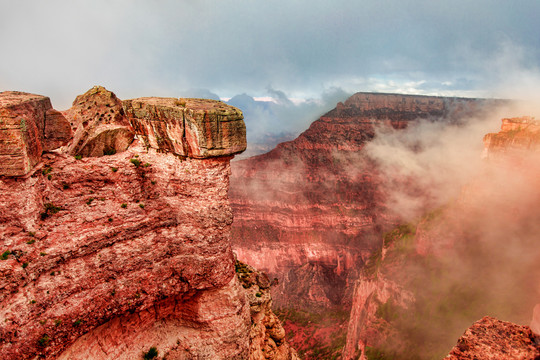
<point x="188" y="127"/>
<point x="520" y="133"/>
<point x="492" y="339"/>
<point x="267" y="335"/>
<point x="315" y="200"/>
<point x="28" y="126"/>
<point x="105" y="257"/>
<point x="100" y="126"/>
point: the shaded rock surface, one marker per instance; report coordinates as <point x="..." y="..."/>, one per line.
<point x="267" y="335"/>
<point x="490" y="338"/>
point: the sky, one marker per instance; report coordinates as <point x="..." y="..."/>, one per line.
<point x="310" y="52"/>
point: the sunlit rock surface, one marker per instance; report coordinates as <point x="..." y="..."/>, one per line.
<point x="188" y="127"/>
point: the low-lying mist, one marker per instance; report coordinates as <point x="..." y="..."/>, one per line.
<point x="477" y="229"/>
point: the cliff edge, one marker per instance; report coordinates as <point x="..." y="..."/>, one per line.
<point x="115" y="229"/>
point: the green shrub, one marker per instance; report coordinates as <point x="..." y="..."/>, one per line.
<point x="141" y="206"/>
<point x="135" y="162"/>
<point x="113" y="169"/>
<point x="123" y="206"/>
<point x="258" y="294"/>
<point x="44" y="341"/>
<point x="31" y="241"/>
<point x="78" y="157"/>
<point x="5" y="255"/>
<point x="25" y="264"/>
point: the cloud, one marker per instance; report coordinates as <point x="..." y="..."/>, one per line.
<point x="271" y="122"/>
<point x="138" y="48"/>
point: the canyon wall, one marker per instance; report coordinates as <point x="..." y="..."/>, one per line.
<point x="116" y="240"/>
<point x="311" y="211"/>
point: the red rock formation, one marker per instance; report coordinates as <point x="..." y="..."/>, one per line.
<point x="315" y="201"/>
<point x="100" y="126"/>
<point x="28" y="125"/>
<point x="105" y="257"/>
<point x="492" y="339"/>
<point x="188" y="127"/>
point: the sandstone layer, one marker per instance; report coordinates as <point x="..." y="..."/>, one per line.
<point x="122" y="249"/>
<point x="188" y="127"/>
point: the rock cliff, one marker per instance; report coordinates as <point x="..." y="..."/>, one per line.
<point x="116" y="245"/>
<point x="315" y="201"/>
<point x="310" y="212"/>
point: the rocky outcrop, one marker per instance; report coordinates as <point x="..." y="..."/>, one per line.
<point x="188" y="127"/>
<point x="520" y="133"/>
<point x="28" y="126"/>
<point x="111" y="257"/>
<point x="267" y="335"/>
<point x="100" y="126"/>
<point x="490" y="339"/>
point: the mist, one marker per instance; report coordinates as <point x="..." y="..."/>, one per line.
<point x="476" y="249"/>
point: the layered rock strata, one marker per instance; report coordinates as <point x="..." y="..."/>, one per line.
<point x="188" y="127"/>
<point x="28" y="126"/>
<point x="116" y="254"/>
<point x="310" y="211"/>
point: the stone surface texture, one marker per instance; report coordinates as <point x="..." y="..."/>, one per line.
<point x="492" y="339"/>
<point x="126" y="248"/>
<point x="188" y="127"/>
<point x="100" y="127"/>
<point x="28" y="126"/>
<point x="267" y="335"/>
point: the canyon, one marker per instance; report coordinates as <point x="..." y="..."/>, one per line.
<point x="115" y="233"/>
<point x="311" y="211"/>
<point x="316" y="214"/>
